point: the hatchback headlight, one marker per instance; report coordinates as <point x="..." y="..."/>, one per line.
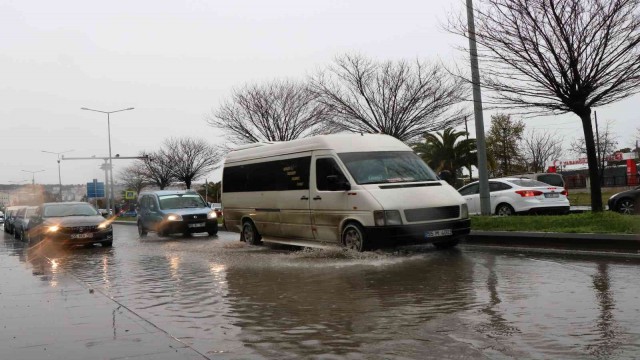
<point x="174" y="217"/>
<point x="464" y="211"/>
<point x="212" y="215"/>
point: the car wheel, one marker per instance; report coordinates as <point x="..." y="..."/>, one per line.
<point x="353" y="237"/>
<point x="16" y="234"/>
<point x="626" y="206"/>
<point x="23" y="236"/>
<point x="142" y="232"/>
<point x="212" y="233"/>
<point x="107" y="243"/>
<point x="441" y="245"/>
<point x="250" y="234"/>
<point x="504" y="210"/>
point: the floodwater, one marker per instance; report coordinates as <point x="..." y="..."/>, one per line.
<point x="229" y="300"/>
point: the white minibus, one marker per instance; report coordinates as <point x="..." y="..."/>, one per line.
<point x="359" y="191"/>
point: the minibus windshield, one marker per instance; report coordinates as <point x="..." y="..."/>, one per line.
<point x="378" y="167"/>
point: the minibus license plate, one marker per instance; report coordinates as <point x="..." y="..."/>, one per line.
<point x="551" y="195"/>
<point x="437" y="233"/>
<point x="196" y="225"/>
<point x="82" y="236"/>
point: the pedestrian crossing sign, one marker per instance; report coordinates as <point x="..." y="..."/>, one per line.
<point x="129" y="195"/>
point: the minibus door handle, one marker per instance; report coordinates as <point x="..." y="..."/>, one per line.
<point x="317" y="198"/>
<point x="304" y="198"/>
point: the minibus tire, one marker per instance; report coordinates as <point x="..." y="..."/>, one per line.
<point x="248" y="228"/>
<point x="356" y="232"/>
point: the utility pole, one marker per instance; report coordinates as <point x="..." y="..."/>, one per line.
<point x="483" y="177"/>
<point x="466" y="129"/>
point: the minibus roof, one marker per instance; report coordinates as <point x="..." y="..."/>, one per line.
<point x="339" y="143"/>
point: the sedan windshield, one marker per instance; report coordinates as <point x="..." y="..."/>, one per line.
<point x="61" y="210"/>
<point x="181" y="201"/>
<point x="387" y="167"/>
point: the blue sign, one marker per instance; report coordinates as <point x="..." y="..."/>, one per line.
<point x="95" y="189"/>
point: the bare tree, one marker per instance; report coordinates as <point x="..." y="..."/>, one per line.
<point x="157" y="168"/>
<point x="134" y="176"/>
<point x="606" y="146"/>
<point x="190" y="158"/>
<point x="276" y="111"/>
<point x="401" y="99"/>
<point x="503" y="143"/>
<point x="559" y="56"/>
<point x="540" y="148"/>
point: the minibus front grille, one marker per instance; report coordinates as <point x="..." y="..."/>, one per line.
<point x="435" y="213"/>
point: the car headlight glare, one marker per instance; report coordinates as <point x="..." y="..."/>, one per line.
<point x="53" y="228"/>
<point x="174" y="217"/>
<point x="464" y="211"/>
<point x="104" y="225"/>
<point x="212" y="215"/>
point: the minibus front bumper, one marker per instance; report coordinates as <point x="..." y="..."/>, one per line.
<point x="418" y="233"/>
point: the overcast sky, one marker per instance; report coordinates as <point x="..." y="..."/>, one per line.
<point x="174" y="61"/>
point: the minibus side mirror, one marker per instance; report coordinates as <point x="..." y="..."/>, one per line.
<point x="336" y="185"/>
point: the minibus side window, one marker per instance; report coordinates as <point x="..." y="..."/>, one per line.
<point x="324" y="168"/>
<point x="277" y="175"/>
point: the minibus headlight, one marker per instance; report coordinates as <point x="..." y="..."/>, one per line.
<point x="393" y="217"/>
<point x="464" y="211"/>
<point x="212" y="215"/>
<point x="174" y="217"/>
<point x="387" y="217"/>
<point x="378" y="217"/>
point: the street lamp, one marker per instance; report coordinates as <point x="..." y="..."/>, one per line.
<point x="33" y="175"/>
<point x="111" y="200"/>
<point x="59" y="178"/>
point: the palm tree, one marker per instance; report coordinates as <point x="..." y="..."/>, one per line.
<point x="443" y="151"/>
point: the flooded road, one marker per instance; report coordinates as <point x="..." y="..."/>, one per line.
<point x="228" y="300"/>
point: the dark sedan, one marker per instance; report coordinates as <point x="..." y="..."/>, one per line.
<point x="626" y="202"/>
<point x="70" y="223"/>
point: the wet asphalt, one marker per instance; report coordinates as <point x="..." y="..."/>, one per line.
<point x="204" y="297"/>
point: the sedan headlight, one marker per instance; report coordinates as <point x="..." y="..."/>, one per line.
<point x="464" y="211"/>
<point x="174" y="217"/>
<point x="53" y="228"/>
<point x="212" y="215"/>
<point x="105" y="225"/>
<point x="387" y="217"/>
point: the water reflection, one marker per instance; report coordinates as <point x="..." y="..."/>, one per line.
<point x="497" y="324"/>
<point x="320" y="310"/>
<point x="606" y="323"/>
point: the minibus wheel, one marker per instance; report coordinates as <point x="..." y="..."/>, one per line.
<point x="353" y="237"/>
<point x="441" y="245"/>
<point x="250" y="234"/>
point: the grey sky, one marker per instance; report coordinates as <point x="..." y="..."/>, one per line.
<point x="176" y="60"/>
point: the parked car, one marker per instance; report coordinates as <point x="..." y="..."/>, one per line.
<point x="10" y="218"/>
<point x="175" y="211"/>
<point x="626" y="202"/>
<point x="129" y="213"/>
<point x="509" y="196"/>
<point x="69" y="223"/>
<point x="21" y="222"/>
<point x="554" y="179"/>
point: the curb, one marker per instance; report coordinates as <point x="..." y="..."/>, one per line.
<point x="618" y="243"/>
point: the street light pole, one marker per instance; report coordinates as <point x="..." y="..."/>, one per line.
<point x="112" y="205"/>
<point x="59" y="177"/>
<point x="33" y="175"/>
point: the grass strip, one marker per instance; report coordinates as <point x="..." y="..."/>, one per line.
<point x="600" y="223"/>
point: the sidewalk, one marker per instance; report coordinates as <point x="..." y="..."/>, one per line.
<point x="54" y="316"/>
<point x="614" y="243"/>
